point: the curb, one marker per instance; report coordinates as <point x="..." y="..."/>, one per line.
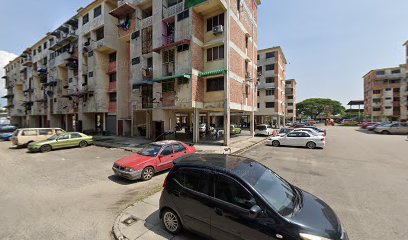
<point x="240" y="151"/>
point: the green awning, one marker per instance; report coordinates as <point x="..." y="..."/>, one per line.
<point x="212" y="73"/>
<point x="184" y="75"/>
<point x="192" y="3"/>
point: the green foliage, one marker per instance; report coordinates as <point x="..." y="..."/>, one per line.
<point x="313" y="107"/>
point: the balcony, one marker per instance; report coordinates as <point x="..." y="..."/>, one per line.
<point x="111" y="67"/>
<point x="148" y="73"/>
<point x="168" y="69"/>
<point x="65" y="38"/>
<point x="173" y="10"/>
<point x="125" y="28"/>
<point x="28" y="61"/>
<point x="145" y="22"/>
<point x="168" y="42"/>
<point x="112" y="87"/>
<point x="112" y="107"/>
<point x="124" y="8"/>
<point x="396" y="104"/>
<point x="147" y="102"/>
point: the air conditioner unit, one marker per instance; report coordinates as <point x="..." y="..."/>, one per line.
<point x="218" y="29"/>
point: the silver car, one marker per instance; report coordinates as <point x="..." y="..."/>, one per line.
<point x="393" y="128"/>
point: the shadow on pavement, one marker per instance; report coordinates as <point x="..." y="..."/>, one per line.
<point x="365" y="131"/>
<point x="124" y="181"/>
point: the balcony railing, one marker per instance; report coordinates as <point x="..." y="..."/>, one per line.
<point x="147" y="102"/>
<point x="146" y="22"/>
<point x="148" y="74"/>
<point x="168" y="69"/>
<point x="173" y="10"/>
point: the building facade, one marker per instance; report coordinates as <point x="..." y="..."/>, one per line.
<point x="290" y="96"/>
<point x="271" y="86"/>
<point x="385" y="94"/>
<point x="142" y="67"/>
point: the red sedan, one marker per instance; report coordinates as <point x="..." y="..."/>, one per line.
<point x="366" y="124"/>
<point x="155" y="157"/>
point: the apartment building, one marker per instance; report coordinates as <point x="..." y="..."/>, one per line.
<point x="271" y="87"/>
<point x="140" y="67"/>
<point x="15" y="96"/>
<point x="290" y="95"/>
<point x="385" y="94"/>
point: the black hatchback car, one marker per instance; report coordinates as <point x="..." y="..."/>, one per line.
<point x="232" y="197"/>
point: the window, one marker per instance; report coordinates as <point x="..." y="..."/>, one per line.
<point x="388" y="89"/>
<point x="388" y="107"/>
<point x="215" y="21"/>
<point x="179" y="148"/>
<point x="194" y="180"/>
<point x="112" y="77"/>
<point x="396" y="99"/>
<point x="395" y="81"/>
<point x="246" y="41"/>
<point x="85" y="19"/>
<point x="290" y="97"/>
<point x="376" y="100"/>
<point x="45" y="45"/>
<point x="396" y="90"/>
<point x="97" y="11"/>
<point x="99" y="34"/>
<point x="230" y="191"/>
<point x="259" y="69"/>
<point x="215" y="53"/>
<point x="257" y="57"/>
<point x="293" y="134"/>
<point x="215" y="84"/>
<point x="388" y="98"/>
<point x="269" y="55"/>
<point x="75" y="135"/>
<point x="135" y="60"/>
<point x="183" y="15"/>
<point x="258" y="105"/>
<point x="380" y="72"/>
<point x="183" y="47"/>
<point x="168" y="150"/>
<point x="269" y="92"/>
<point x="376" y="91"/>
<point x="112" y="97"/>
<point x="290" y="111"/>
<point x="269" y="67"/>
<point x="395" y="71"/>
<point x="168" y="86"/>
<point x="303" y="134"/>
<point x="290" y="104"/>
<point x="29" y="133"/>
<point x="257" y="93"/>
<point x="63" y="137"/>
<point x="376" y="109"/>
<point x="112" y="57"/>
<point x="269" y="105"/>
<point x="269" y="80"/>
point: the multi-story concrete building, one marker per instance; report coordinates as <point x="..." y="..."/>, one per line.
<point x="290" y="95"/>
<point x="385" y="94"/>
<point x="271" y="87"/>
<point x="140" y="67"/>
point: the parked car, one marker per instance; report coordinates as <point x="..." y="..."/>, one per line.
<point x="235" y="129"/>
<point x="297" y="138"/>
<point x="309" y="130"/>
<point x="203" y="128"/>
<point x="155" y="157"/>
<point x="25" y="136"/>
<point x="7" y="128"/>
<point x="316" y="129"/>
<point x="298" y="125"/>
<point x="263" y="129"/>
<point x="372" y="127"/>
<point x="392" y="128"/>
<point x="364" y="125"/>
<point x="284" y="131"/>
<point x="233" y="197"/>
<point x="6" y="136"/>
<point x="63" y="140"/>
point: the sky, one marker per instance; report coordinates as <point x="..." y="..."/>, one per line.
<point x="329" y="44"/>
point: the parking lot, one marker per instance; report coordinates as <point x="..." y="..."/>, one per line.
<point x="71" y="194"/>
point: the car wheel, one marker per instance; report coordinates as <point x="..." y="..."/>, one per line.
<point x="385" y="132"/>
<point x="46" y="148"/>
<point x="311" y="145"/>
<point x="147" y="173"/>
<point x="83" y="144"/>
<point x="171" y="221"/>
<point x="275" y="143"/>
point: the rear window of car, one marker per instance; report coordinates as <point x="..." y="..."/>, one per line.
<point x="75" y="135"/>
<point x="45" y="132"/>
<point x="178" y="148"/>
<point x="192" y="179"/>
<point x="261" y="127"/>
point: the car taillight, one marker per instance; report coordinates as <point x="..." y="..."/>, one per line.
<point x="165" y="182"/>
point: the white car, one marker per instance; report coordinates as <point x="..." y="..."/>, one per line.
<point x="203" y="128"/>
<point x="310" y="130"/>
<point x="299" y="139"/>
<point x="263" y="129"/>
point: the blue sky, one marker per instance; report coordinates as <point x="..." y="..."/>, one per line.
<point x="329" y="44"/>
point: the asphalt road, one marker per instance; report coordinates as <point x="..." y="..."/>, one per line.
<point x="363" y="177"/>
<point x="63" y="194"/>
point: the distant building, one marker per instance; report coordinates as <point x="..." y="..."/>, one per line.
<point x="290" y="95"/>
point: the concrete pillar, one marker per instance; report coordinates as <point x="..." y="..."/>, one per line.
<point x="227" y="111"/>
<point x="207" y="116"/>
<point x="196" y="118"/>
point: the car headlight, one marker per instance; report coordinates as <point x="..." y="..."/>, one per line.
<point x="129" y="170"/>
<point x="306" y="236"/>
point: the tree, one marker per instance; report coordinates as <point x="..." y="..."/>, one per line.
<point x="313" y="107"/>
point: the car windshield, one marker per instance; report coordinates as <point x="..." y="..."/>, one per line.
<point x="277" y="193"/>
<point x="53" y="137"/>
<point x="15" y="133"/>
<point x="150" y="150"/>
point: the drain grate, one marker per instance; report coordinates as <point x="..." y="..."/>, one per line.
<point x="129" y="221"/>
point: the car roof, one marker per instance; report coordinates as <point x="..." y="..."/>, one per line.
<point x="165" y="142"/>
<point x="232" y="164"/>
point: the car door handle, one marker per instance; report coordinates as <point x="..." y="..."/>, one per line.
<point x="218" y="211"/>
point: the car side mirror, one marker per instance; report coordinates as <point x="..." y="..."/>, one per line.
<point x="255" y="211"/>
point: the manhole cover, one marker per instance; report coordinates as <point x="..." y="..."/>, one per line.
<point x="129" y="221"/>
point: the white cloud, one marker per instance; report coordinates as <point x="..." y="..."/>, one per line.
<point x="5" y="58"/>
